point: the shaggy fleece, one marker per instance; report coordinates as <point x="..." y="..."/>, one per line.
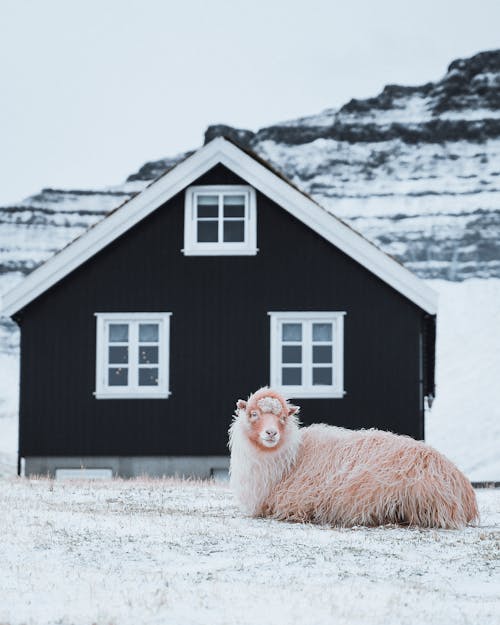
<point x="329" y="475"/>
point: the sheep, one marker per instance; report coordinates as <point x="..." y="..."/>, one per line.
<point x="331" y="475"/>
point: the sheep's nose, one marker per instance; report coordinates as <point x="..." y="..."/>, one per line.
<point x="271" y="432"/>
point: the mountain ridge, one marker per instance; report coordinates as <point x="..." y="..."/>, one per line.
<point x="472" y="83"/>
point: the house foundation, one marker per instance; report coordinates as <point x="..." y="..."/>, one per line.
<point x="201" y="467"/>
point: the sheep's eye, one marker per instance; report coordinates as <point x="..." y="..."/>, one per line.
<point x="254" y="415"/>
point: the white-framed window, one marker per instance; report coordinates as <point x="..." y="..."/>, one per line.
<point x="307" y="353"/>
<point x="132" y="355"/>
<point x="220" y="220"/>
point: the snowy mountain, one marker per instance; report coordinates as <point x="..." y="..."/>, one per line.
<point x="415" y="169"/>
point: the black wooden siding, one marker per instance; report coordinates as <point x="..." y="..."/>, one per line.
<point x="219" y="338"/>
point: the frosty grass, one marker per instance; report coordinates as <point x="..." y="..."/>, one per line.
<point x="166" y="552"/>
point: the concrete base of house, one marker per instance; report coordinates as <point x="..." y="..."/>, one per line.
<point x="202" y="467"/>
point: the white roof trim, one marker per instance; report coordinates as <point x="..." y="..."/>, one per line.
<point x="254" y="173"/>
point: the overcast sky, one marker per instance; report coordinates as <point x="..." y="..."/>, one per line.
<point x="90" y="89"/>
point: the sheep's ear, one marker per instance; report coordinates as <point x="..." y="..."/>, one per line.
<point x="241" y="404"/>
<point x="293" y="410"/>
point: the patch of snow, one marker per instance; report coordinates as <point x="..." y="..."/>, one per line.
<point x="99" y="201"/>
<point x="9" y="403"/>
<point x="464" y="422"/>
<point x="409" y="109"/>
<point x="472" y="114"/>
<point x="390" y="173"/>
<point x="9" y="386"/>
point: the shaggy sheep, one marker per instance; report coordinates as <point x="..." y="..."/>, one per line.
<point x="330" y="475"/>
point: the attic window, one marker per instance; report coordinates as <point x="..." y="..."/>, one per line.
<point x="307" y="353"/>
<point x="220" y="220"/>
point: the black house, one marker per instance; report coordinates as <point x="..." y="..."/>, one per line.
<point x="220" y="277"/>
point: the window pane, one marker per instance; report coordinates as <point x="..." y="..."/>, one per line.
<point x="322" y="353"/>
<point x="208" y="232"/>
<point x="234" y="200"/>
<point x="322" y="331"/>
<point x="148" y="377"/>
<point x="148" y="332"/>
<point x="292" y="332"/>
<point x="322" y="376"/>
<point x="118" y="376"/>
<point x="148" y="354"/>
<point x="291" y="353"/>
<point x="118" y="355"/>
<point x="208" y="205"/>
<point x="234" y="231"/>
<point x="291" y="376"/>
<point x="118" y="332"/>
<point x="234" y="206"/>
<point x="208" y="199"/>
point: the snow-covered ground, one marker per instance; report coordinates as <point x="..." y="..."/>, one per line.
<point x="170" y="553"/>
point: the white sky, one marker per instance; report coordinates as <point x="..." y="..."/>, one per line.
<point x="90" y="89"/>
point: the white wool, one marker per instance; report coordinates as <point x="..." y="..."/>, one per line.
<point x="324" y="474"/>
<point x="253" y="473"/>
<point x="270" y="404"/>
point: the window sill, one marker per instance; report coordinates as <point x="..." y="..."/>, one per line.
<point x="219" y="252"/>
<point x="150" y="395"/>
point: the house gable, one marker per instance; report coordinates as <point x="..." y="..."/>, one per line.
<point x="252" y="172"/>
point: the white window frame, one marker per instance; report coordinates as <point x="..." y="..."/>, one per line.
<point x="133" y="390"/>
<point x="192" y="247"/>
<point x="306" y="389"/>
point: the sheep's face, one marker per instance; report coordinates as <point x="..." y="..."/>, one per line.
<point x="266" y="419"/>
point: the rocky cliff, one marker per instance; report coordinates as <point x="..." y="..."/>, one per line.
<point x="415" y="169"/>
